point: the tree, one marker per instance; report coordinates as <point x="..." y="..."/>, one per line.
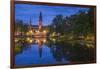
<point x="20" y="26"/>
<point x="81" y="23"/>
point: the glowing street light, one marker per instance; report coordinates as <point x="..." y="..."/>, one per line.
<point x="29" y="40"/>
<point x="44" y="31"/>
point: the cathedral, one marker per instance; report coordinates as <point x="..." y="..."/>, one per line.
<point x="37" y="30"/>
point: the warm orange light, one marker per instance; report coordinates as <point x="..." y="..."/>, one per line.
<point x="37" y="31"/>
<point x="44" y="40"/>
<point x="44" y="31"/>
<point x="31" y="32"/>
<point x="16" y="40"/>
<point x="27" y="33"/>
<point x="90" y="45"/>
<point x="29" y="40"/>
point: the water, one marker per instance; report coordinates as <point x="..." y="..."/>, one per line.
<point x="31" y="51"/>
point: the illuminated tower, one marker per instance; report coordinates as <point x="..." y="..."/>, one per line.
<point x="40" y="22"/>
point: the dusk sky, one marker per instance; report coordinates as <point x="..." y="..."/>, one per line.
<point x="26" y="11"/>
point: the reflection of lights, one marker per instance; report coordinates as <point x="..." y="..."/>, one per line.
<point x="90" y="45"/>
<point x="44" y="40"/>
<point x="53" y="34"/>
<point x="44" y="31"/>
<point x="37" y="41"/>
<point x="16" y="40"/>
<point x="92" y="38"/>
<point x="52" y="39"/>
<point x="29" y="40"/>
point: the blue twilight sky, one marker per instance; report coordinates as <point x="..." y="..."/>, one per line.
<point x="26" y="11"/>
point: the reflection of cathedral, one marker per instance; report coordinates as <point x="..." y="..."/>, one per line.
<point x="37" y="30"/>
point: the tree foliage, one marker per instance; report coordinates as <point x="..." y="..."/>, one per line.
<point x="81" y="23"/>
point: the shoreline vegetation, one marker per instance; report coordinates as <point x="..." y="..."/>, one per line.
<point x="74" y="33"/>
<point x="76" y="26"/>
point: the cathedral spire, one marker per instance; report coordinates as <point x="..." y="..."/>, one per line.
<point x="40" y="17"/>
<point x="40" y="21"/>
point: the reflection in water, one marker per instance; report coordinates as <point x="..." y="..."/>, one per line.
<point x="30" y="51"/>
